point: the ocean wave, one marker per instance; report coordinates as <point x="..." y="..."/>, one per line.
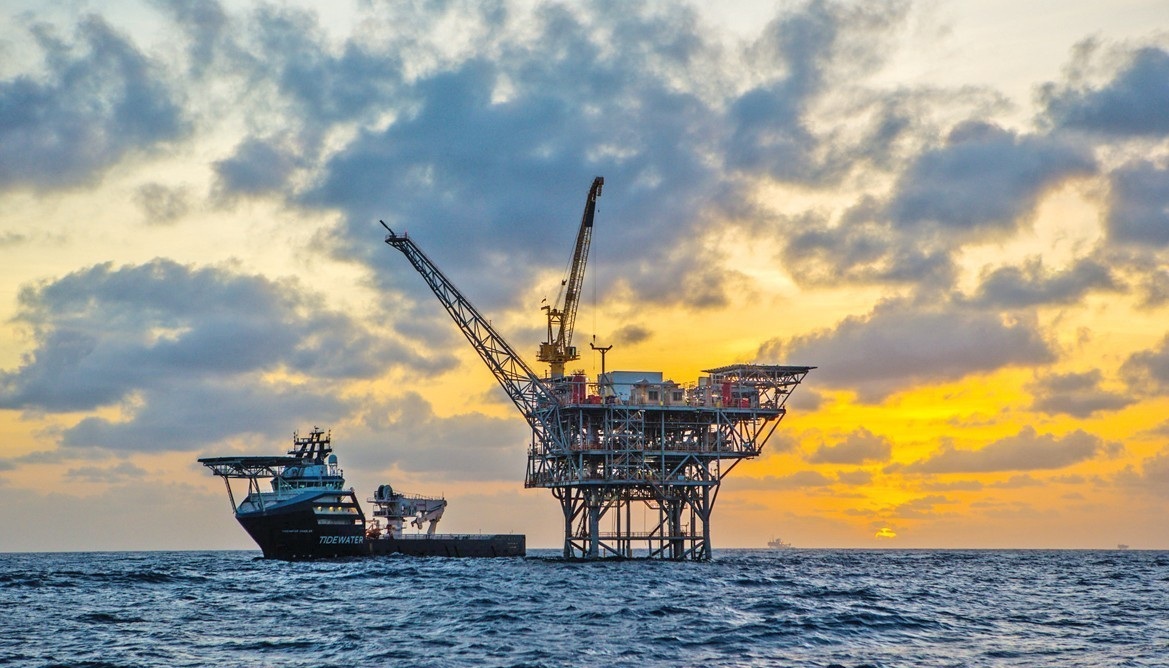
<point x="790" y="608"/>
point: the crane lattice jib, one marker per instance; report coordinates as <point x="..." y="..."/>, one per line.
<point x="580" y="256"/>
<point x="534" y="399"/>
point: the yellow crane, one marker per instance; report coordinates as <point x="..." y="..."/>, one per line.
<point x="558" y="350"/>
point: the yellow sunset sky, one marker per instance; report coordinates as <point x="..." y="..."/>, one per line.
<point x="957" y="211"/>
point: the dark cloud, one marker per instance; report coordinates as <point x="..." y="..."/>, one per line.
<point x="1018" y="481"/>
<point x="508" y="179"/>
<point x="103" y="333"/>
<point x="1076" y="394"/>
<point x="205" y="28"/>
<point x="1154" y="288"/>
<point x="806" y="400"/>
<point x="771" y="124"/>
<point x="98" y="100"/>
<point x="861" y="250"/>
<point x="1138" y="210"/>
<point x="631" y="334"/>
<point x="953" y="486"/>
<point x="12" y="239"/>
<point x="1147" y="371"/>
<point x="117" y="473"/>
<point x="903" y="343"/>
<point x="406" y="434"/>
<point x="859" y="447"/>
<point x="1153" y="476"/>
<point x="322" y="84"/>
<point x="1026" y="451"/>
<point x="282" y="59"/>
<point x="185" y="352"/>
<point x="191" y="415"/>
<point x="497" y="152"/>
<point x="1134" y="103"/>
<point x="256" y="167"/>
<point x="797" y="480"/>
<point x="1141" y="268"/>
<point x="491" y="142"/>
<point x="162" y="204"/>
<point x="854" y="477"/>
<point x="1032" y="284"/>
<point x="983" y="180"/>
<point x="922" y="507"/>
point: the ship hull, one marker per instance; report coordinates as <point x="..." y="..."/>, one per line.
<point x="297" y="531"/>
<point x="491" y="545"/>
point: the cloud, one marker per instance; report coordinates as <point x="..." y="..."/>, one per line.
<point x="1135" y="102"/>
<point x="902" y="343"/>
<point x="256" y="167"/>
<point x="1076" y="394"/>
<point x="1138" y="211"/>
<point x="1154" y="288"/>
<point x="854" y="477"/>
<point x="984" y="179"/>
<point x="487" y="138"/>
<point x="162" y="204"/>
<point x="103" y="333"/>
<point x="1018" y="481"/>
<point x="1153" y="476"/>
<point x="806" y="400"/>
<point x="122" y="472"/>
<point x="859" y="447"/>
<point x="797" y="480"/>
<point x="953" y="486"/>
<point x="1032" y="284"/>
<point x="922" y="507"/>
<point x="188" y="355"/>
<point x="860" y="250"/>
<point x="407" y="434"/>
<point x="1026" y="451"/>
<point x="772" y="122"/>
<point x="507" y="174"/>
<point x="11" y="239"/>
<point x="1147" y="371"/>
<point x="982" y="182"/>
<point x="98" y="100"/>
<point x="631" y="334"/>
<point x="199" y="414"/>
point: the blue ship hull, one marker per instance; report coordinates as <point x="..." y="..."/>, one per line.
<point x="298" y="530"/>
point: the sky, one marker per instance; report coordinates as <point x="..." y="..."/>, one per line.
<point x="957" y="211"/>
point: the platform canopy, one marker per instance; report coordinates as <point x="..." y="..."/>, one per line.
<point x="769" y="374"/>
<point x="247" y="467"/>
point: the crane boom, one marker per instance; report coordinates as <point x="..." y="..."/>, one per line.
<point x="535" y="400"/>
<point x="558" y="349"/>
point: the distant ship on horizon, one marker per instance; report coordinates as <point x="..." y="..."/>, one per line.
<point x="778" y="544"/>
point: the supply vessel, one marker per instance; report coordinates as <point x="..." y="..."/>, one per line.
<point x="310" y="514"/>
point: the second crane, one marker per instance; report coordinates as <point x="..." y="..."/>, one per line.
<point x="558" y="350"/>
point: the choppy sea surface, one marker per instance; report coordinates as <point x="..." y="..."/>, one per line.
<point x="744" y="608"/>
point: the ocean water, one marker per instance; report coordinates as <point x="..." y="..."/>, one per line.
<point x="744" y="608"/>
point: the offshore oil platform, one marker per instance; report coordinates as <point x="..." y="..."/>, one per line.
<point x="628" y="438"/>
